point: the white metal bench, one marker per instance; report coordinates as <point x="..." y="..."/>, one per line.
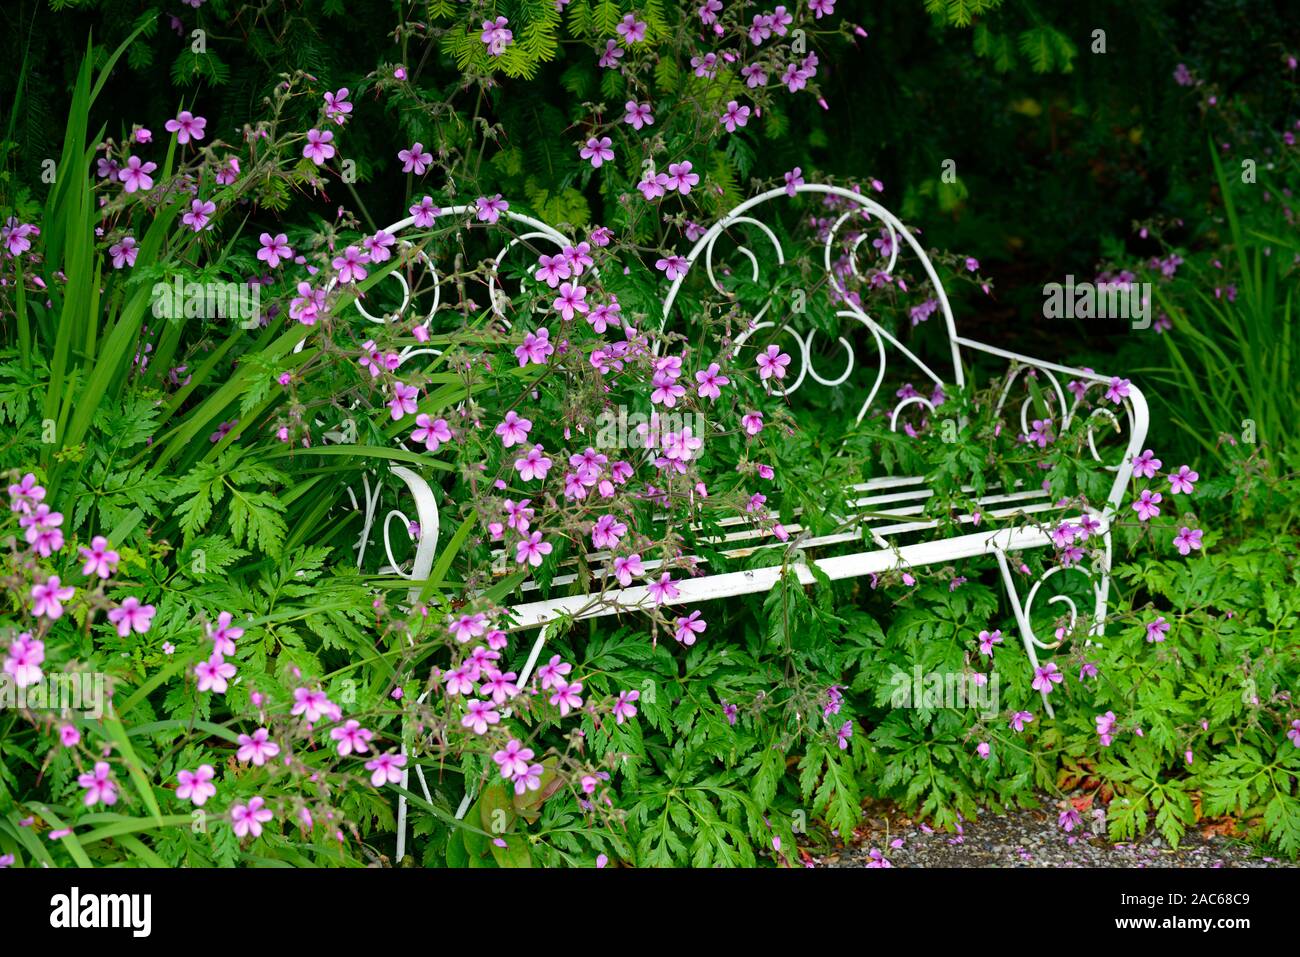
<point x="889" y="509"/>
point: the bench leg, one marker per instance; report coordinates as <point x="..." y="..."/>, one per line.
<point x="1026" y="632"/>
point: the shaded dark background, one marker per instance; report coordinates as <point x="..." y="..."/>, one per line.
<point x="1055" y="167"/>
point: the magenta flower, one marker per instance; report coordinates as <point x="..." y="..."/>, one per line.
<point x="415" y="160"/>
<point x="1294" y="733"/>
<point x="131" y="616"/>
<point x="1180" y="482"/>
<point x="403" y="402"/>
<point x="319" y="147"/>
<point x="69" y="736"/>
<point x="529" y="779"/>
<point x="135" y="174"/>
<point x="1106" y="728"/>
<point x="513" y="429"/>
<point x="1145" y="465"/>
<point x="479" y="715"/>
<point x="1118" y="390"/>
<point x="432" y="432"/>
<point x="186" y="126"/>
<point x="984" y="750"/>
<point x="1045" y="676"/>
<point x="688" y="627"/>
<point x="607" y="532"/>
<point x="663" y="590"/>
<point x="424" y="212"/>
<point x="681" y="178"/>
<point x="468" y="626"/>
<point x="532" y="550"/>
<point x="552" y="269"/>
<point x="631" y="29"/>
<point x="793" y="180"/>
<point x="534" y="465"/>
<point x="499" y="685"/>
<point x="24" y="660"/>
<point x="565" y="696"/>
<point x="1020" y="719"/>
<point x="496" y="36"/>
<point x="196" y="786"/>
<point x="821" y="8"/>
<point x="1187" y="539"/>
<point x="1156" y="630"/>
<point x="312" y="705"/>
<point x="711" y="381"/>
<point x="248" y="819"/>
<point x="214" y="674"/>
<point x="551" y="672"/>
<point x="623" y="708"/>
<point x="1069" y="819"/>
<point x="123" y="252"/>
<point x="514" y="759"/>
<point x="48" y="598"/>
<point x="351" y="265"/>
<point x="257" y="747"/>
<point x="772" y="363"/>
<point x="752" y="422"/>
<point x="734" y="116"/>
<point x="674" y="267"/>
<point x="1147" y="506"/>
<point x="987" y="640"/>
<point x="490" y="210"/>
<point x="199" y="215"/>
<point x="337" y="106"/>
<point x="274" y="249"/>
<point x="844" y="734"/>
<point x="637" y="114"/>
<point x="351" y="737"/>
<point x="597" y="151"/>
<point x="653" y="185"/>
<point x="98" y="787"/>
<point x="571" y="301"/>
<point x="386" y="769"/>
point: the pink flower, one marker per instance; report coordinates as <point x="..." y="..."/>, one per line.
<point x="500" y="686"/>
<point x="752" y="422"/>
<point x="534" y="465"/>
<point x="1046" y="676"/>
<point x="248" y="819"/>
<point x="351" y="265"/>
<point x="623" y="708"/>
<point x="844" y="734"/>
<point x="571" y="301"/>
<point x="597" y="151"/>
<point x="607" y="532"/>
<point x="711" y="381"/>
<point x="772" y="363"/>
<point x="496" y="36"/>
<point x="214" y="674"/>
<point x="631" y="29"/>
<point x="551" y="672"/>
<point x="1118" y="390"/>
<point x="638" y="114"/>
<point x="186" y="126"/>
<point x="403" y="401"/>
<point x="257" y="747"/>
<point x="196" y="786"/>
<point x="531" y="778"/>
<point x="1145" y="465"/>
<point x="513" y="759"/>
<point x="609" y="59"/>
<point x="98" y="786"/>
<point x="1187" y="539"/>
<point x="688" y="627"/>
<point x="432" y="432"/>
<point x="415" y="160"/>
<point x="1156" y="630"/>
<point x="1069" y="819"/>
<point x="312" y="705"/>
<point x="984" y="750"/>
<point x="386" y="769"/>
<point x="1180" y="482"/>
<point x="199" y="215"/>
<point x="132" y="616"/>
<point x="351" y="737"/>
<point x="663" y="590"/>
<point x="821" y="8"/>
<point x="274" y="248"/>
<point x="490" y="210"/>
<point x="69" y="736"/>
<point x="1147" y="505"/>
<point x="468" y="626"/>
<point x="479" y="715"/>
<point x="987" y="640"/>
<point x="532" y="550"/>
<point x="424" y="212"/>
<point x="1294" y="733"/>
<point x="24" y="660"/>
<point x="625" y="568"/>
<point x="1106" y="727"/>
<point x="674" y="267"/>
<point x="1020" y="719"/>
<point x="337" y="106"/>
<point x="123" y="253"/>
<point x="734" y="116"/>
<point x="48" y="598"/>
<point x="681" y="178"/>
<point x="793" y="180"/>
<point x="135" y="174"/>
<point x="319" y="147"/>
<point x="513" y="429"/>
<point x="565" y="696"/>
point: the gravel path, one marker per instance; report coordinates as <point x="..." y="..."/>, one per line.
<point x="1023" y="839"/>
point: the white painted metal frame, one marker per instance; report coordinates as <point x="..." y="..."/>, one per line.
<point x="999" y="543"/>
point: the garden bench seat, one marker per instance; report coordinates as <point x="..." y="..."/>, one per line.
<point x="887" y="529"/>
